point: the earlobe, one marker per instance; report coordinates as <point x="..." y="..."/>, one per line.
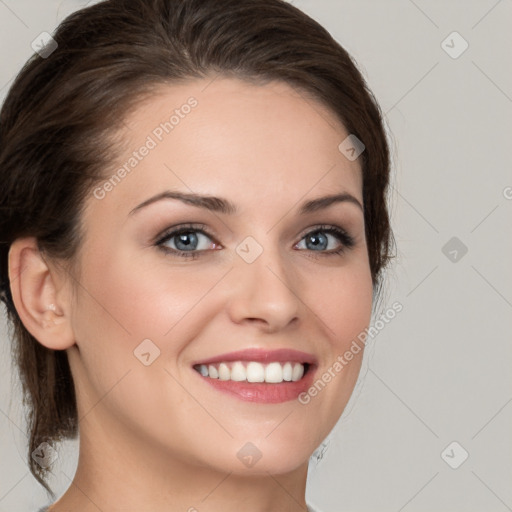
<point x="35" y="289"/>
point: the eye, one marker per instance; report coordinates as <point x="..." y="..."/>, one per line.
<point x="318" y="240"/>
<point x="190" y="241"/>
<point x="186" y="241"/>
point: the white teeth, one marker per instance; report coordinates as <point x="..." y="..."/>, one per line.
<point x="298" y="372"/>
<point x="224" y="372"/>
<point x="212" y="372"/>
<point x="253" y="371"/>
<point x="238" y="372"/>
<point x="274" y="373"/>
<point x="287" y="372"/>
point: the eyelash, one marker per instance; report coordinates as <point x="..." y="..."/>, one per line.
<point x="347" y="242"/>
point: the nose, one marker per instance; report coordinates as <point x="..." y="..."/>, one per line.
<point x="264" y="293"/>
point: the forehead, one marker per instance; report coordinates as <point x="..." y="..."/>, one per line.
<point x="258" y="144"/>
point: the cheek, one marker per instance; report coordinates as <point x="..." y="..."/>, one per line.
<point x="344" y="304"/>
<point x="132" y="299"/>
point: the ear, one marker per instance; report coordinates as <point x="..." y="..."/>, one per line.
<point x="40" y="295"/>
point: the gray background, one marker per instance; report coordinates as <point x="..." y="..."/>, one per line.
<point x="439" y="372"/>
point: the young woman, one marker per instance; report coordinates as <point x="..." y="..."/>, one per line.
<point x="194" y="228"/>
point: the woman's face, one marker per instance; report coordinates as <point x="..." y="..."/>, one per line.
<point x="249" y="292"/>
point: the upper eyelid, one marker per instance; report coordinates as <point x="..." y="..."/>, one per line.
<point x="166" y="233"/>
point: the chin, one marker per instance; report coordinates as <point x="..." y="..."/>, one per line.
<point x="276" y="454"/>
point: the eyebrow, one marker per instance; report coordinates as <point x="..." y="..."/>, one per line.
<point x="218" y="204"/>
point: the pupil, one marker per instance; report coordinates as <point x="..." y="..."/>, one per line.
<point x="182" y="239"/>
<point x="317" y="240"/>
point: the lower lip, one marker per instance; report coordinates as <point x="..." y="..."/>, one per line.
<point x="263" y="392"/>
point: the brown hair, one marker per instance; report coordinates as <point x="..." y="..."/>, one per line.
<point x="57" y="120"/>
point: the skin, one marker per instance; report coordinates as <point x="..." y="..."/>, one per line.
<point x="157" y="437"/>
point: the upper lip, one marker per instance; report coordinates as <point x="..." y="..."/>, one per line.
<point x="282" y="355"/>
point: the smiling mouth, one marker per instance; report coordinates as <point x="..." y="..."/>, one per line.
<point x="254" y="372"/>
